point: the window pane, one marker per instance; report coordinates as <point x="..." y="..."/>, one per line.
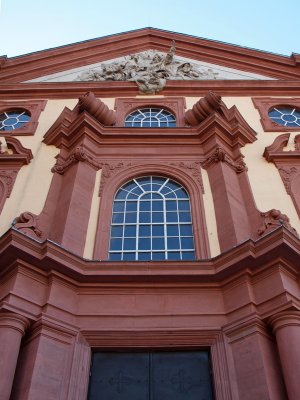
<point x="172" y="217"/>
<point x="145" y="217"/>
<point x="144" y="244"/>
<point x="184" y="217"/>
<point x="130" y="218"/>
<point x="174" y="255"/>
<point x="130" y="231"/>
<point x="118" y="218"/>
<point x="158" y="230"/>
<point x="173" y="243"/>
<point x="172" y="230"/>
<point x="187" y="243"/>
<point x="115" y="256"/>
<point x="116" y="244"/>
<point x="119" y="206"/>
<point x="186" y="230"/>
<point x="145" y="206"/>
<point x="158" y="243"/>
<point x="129" y="256"/>
<point x="158" y="256"/>
<point x="131" y="206"/>
<point x="189" y="255"/>
<point x="129" y="244"/>
<point x="157" y="217"/>
<point x="116" y="231"/>
<point x="171" y="205"/>
<point x="144" y="256"/>
<point x="157" y="206"/>
<point x="183" y="205"/>
<point x="141" y="221"/>
<point x="145" y="230"/>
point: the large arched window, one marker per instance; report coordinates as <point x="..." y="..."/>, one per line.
<point x="151" y="220"/>
<point x="150" y="118"/>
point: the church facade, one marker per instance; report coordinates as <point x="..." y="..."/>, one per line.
<point x="150" y="203"/>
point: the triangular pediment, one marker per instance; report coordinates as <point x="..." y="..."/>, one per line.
<point x="209" y="60"/>
<point x="139" y="65"/>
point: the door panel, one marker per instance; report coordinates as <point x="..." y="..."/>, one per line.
<point x="120" y="376"/>
<point x="180" y="375"/>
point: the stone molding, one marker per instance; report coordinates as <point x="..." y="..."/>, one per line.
<point x="73" y="90"/>
<point x="246" y="327"/>
<point x="284" y="319"/>
<point x="288" y="165"/>
<point x="11" y="161"/>
<point x="14" y="321"/>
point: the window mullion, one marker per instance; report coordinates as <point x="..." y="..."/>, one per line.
<point x="165" y="227"/>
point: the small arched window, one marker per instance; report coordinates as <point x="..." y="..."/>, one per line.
<point x="151" y="220"/>
<point x="150" y="118"/>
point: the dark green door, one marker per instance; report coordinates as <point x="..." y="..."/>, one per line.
<point x="183" y="375"/>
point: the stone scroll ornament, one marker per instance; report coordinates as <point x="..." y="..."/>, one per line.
<point x="150" y="70"/>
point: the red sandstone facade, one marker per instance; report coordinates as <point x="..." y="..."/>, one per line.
<point x="57" y="306"/>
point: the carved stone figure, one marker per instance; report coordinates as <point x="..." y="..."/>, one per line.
<point x="152" y="83"/>
<point x="150" y="70"/>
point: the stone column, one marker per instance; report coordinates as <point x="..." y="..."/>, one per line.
<point x="286" y="327"/>
<point x="12" y="329"/>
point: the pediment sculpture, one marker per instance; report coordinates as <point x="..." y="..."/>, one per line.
<point x="150" y="70"/>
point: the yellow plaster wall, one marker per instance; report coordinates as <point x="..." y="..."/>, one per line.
<point x="267" y="186"/>
<point x="32" y="183"/>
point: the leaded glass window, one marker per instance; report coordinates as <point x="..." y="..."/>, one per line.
<point x="11" y="120"/>
<point x="151" y="220"/>
<point x="150" y="118"/>
<point x="286" y="116"/>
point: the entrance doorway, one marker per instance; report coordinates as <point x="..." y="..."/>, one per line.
<point x="183" y="375"/>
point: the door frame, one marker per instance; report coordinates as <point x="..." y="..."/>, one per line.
<point x="168" y="340"/>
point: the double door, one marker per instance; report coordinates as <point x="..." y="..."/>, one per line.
<point x="183" y="375"/>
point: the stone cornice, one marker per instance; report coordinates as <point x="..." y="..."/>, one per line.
<point x="248" y="256"/>
<point x="228" y="126"/>
<point x="276" y="154"/>
<point x="18" y="156"/>
<point x="72" y="90"/>
<point x="74" y="55"/>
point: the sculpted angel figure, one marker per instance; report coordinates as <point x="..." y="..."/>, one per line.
<point x="152" y="83"/>
<point x="187" y="71"/>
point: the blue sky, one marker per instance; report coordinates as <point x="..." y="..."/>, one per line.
<point x="31" y="25"/>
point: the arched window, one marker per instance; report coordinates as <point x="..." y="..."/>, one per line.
<point x="150" y="118"/>
<point x="151" y="220"/>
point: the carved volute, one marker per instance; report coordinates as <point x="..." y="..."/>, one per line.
<point x="203" y="108"/>
<point x="88" y="102"/>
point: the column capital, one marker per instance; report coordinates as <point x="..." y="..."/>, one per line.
<point x="14" y="321"/>
<point x="284" y="319"/>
